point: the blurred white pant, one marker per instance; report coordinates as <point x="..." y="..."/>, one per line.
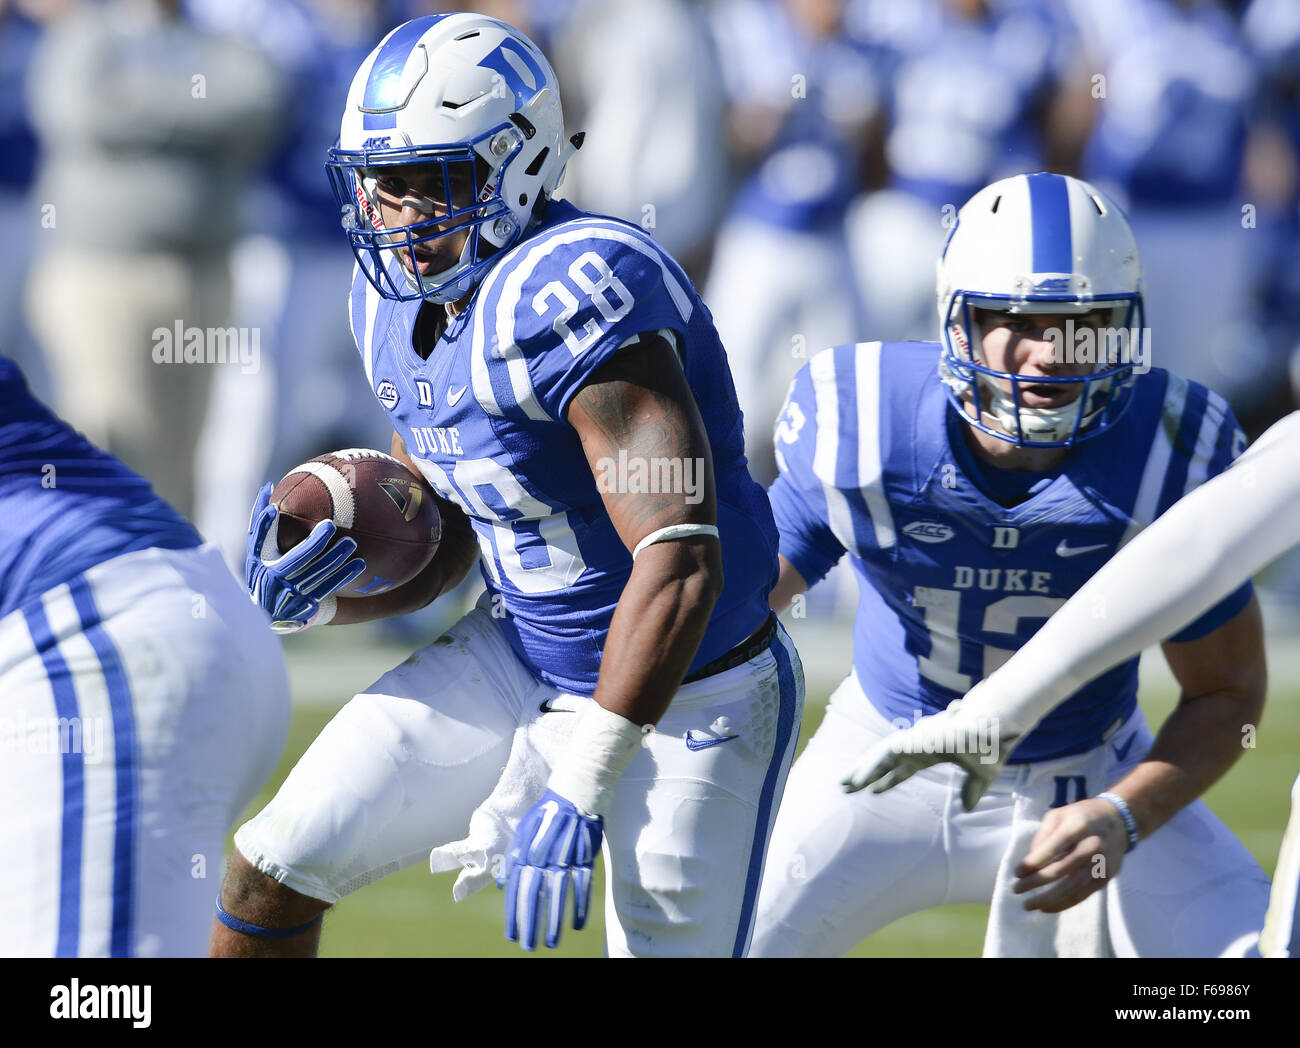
<point x="101" y="353"/>
<point x="308" y="394"/>
<point x="777" y="297"/>
<point x="842" y="866"/>
<point x="401" y="768"/>
<point x="1197" y="267"/>
<point x="895" y="239"/>
<point x="144" y="705"/>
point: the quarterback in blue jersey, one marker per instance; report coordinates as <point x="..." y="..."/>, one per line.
<point x="130" y="739"/>
<point x="1200" y="550"/>
<point x="976" y="484"/>
<point x="556" y="379"/>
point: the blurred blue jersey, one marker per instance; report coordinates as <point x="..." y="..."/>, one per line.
<point x="823" y="89"/>
<point x="1179" y="84"/>
<point x="66" y="506"/>
<point x="18" y="144"/>
<point x="484" y="417"/>
<point x="964" y="92"/>
<point x="874" y="462"/>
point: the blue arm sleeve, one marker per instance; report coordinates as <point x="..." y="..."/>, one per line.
<point x="797" y="495"/>
<point x="806" y="540"/>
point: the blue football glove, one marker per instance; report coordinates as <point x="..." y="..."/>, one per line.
<point x="290" y="587"/>
<point x="555" y="845"/>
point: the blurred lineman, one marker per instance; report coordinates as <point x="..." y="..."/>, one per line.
<point x="520" y="347"/>
<point x="1193" y="556"/>
<point x="148" y="139"/>
<point x="800" y="96"/>
<point x="285" y="271"/>
<point x="131" y="739"/>
<point x="974" y="499"/>
<point x="971" y="91"/>
<point x="1170" y="104"/>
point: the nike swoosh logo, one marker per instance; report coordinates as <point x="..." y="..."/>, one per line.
<point x="453" y="396"/>
<point x="692" y="743"/>
<point x="546" y="707"/>
<point x="1122" y="752"/>
<point x="1064" y="550"/>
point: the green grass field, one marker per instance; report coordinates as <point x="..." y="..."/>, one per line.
<point x="411" y="914"/>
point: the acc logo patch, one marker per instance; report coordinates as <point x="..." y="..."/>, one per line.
<point x="928" y="531"/>
<point x="387" y="394"/>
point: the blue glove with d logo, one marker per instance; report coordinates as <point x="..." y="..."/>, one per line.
<point x="291" y="587"/>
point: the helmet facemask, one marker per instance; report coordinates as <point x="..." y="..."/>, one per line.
<point x="457" y="186"/>
<point x="1108" y="335"/>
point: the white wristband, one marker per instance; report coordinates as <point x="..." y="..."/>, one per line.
<point x="674" y="531"/>
<point x="602" y="747"/>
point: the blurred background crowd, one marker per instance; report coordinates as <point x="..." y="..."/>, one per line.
<point x="161" y="165"/>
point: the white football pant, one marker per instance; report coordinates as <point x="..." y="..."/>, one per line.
<point x="144" y="704"/>
<point x="842" y="866"/>
<point x="401" y="768"/>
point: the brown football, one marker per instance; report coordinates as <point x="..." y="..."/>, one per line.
<point x="371" y="496"/>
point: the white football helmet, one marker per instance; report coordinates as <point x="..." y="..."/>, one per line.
<point x="465" y="96"/>
<point x="1040" y="243"/>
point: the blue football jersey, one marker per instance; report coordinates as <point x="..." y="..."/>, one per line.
<point x="66" y="506"/>
<point x="963" y="90"/>
<point x="484" y="418"/>
<point x="1180" y="84"/>
<point x="873" y="463"/>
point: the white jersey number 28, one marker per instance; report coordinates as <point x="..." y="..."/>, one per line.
<point x="592" y="276"/>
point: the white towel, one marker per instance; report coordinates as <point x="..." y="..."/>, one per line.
<point x="1080" y="931"/>
<point x="481" y="855"/>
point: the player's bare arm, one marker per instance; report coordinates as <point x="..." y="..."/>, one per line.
<point x="457" y="554"/>
<point x="1223" y="678"/>
<point x="789" y="584"/>
<point x="639" y="403"/>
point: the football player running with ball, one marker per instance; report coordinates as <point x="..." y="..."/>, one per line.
<point x="976" y="485"/>
<point x="624" y="668"/>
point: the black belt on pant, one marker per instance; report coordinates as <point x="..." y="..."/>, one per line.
<point x="757" y="643"/>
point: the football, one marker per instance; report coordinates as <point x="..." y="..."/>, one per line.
<point x="374" y="498"/>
